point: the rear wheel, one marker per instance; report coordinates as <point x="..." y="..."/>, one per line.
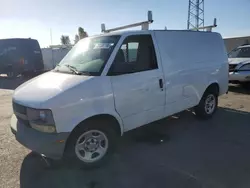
<point x="91" y="145"/>
<point x="208" y="105"/>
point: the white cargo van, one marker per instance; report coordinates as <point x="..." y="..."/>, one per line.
<point x="112" y="83"/>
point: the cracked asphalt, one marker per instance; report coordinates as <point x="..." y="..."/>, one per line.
<point x="179" y="151"/>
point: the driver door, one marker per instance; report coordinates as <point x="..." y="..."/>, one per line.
<point x="137" y="82"/>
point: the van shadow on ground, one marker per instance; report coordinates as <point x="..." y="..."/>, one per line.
<point x="180" y="151"/>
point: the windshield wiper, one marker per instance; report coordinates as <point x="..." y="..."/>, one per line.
<point x="73" y="69"/>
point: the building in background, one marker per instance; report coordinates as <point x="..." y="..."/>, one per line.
<point x="53" y="55"/>
<point x="232" y="43"/>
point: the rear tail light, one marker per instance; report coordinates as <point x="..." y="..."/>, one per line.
<point x="22" y="61"/>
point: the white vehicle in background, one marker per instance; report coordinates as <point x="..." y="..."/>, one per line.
<point x="115" y="82"/>
<point x="239" y="65"/>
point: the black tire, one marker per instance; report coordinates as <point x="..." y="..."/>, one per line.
<point x="70" y="156"/>
<point x="200" y="109"/>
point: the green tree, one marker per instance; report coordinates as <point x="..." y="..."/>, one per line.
<point x="76" y="38"/>
<point x="65" y="40"/>
<point x="82" y="34"/>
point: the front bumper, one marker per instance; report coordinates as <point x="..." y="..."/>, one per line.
<point x="50" y="145"/>
<point x="241" y="76"/>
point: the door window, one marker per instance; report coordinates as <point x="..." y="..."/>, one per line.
<point x="136" y="54"/>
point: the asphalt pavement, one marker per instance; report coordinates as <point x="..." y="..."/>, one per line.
<point x="179" y="151"/>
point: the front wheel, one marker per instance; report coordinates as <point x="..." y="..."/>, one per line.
<point x="91" y="145"/>
<point x="207" y="106"/>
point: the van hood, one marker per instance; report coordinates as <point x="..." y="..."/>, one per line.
<point x="46" y="86"/>
<point x="236" y="61"/>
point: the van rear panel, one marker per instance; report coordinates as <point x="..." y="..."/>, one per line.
<point x="20" y="55"/>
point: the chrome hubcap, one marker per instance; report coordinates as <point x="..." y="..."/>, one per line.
<point x="91" y="146"/>
<point x="210" y="103"/>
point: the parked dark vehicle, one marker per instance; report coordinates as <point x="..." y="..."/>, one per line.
<point x="20" y="56"/>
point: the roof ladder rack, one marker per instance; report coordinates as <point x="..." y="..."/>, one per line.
<point x="207" y="28"/>
<point x="144" y="25"/>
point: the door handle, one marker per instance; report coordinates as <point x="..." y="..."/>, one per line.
<point x="161" y="83"/>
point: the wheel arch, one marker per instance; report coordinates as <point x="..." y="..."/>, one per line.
<point x="213" y="86"/>
<point x="116" y="122"/>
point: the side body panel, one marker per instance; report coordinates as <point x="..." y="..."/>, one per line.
<point x="191" y="62"/>
<point x="138" y="98"/>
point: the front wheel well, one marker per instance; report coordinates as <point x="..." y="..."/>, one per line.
<point x="214" y="87"/>
<point x="111" y="120"/>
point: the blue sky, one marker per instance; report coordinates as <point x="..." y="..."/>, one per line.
<point x="33" y="18"/>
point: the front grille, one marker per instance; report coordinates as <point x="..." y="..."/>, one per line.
<point x="21" y="113"/>
<point x="232" y="68"/>
<point x="23" y="121"/>
<point x="19" y="108"/>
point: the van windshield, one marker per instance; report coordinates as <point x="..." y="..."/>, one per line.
<point x="89" y="55"/>
<point x="243" y="52"/>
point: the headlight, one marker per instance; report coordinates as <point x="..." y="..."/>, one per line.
<point x="41" y="120"/>
<point x="245" y="67"/>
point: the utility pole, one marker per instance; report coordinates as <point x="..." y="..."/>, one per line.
<point x="195" y="14"/>
<point x="51" y="47"/>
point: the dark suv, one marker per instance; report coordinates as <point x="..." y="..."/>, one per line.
<point x="20" y="56"/>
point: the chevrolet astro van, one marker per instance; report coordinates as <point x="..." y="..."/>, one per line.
<point x="115" y="82"/>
